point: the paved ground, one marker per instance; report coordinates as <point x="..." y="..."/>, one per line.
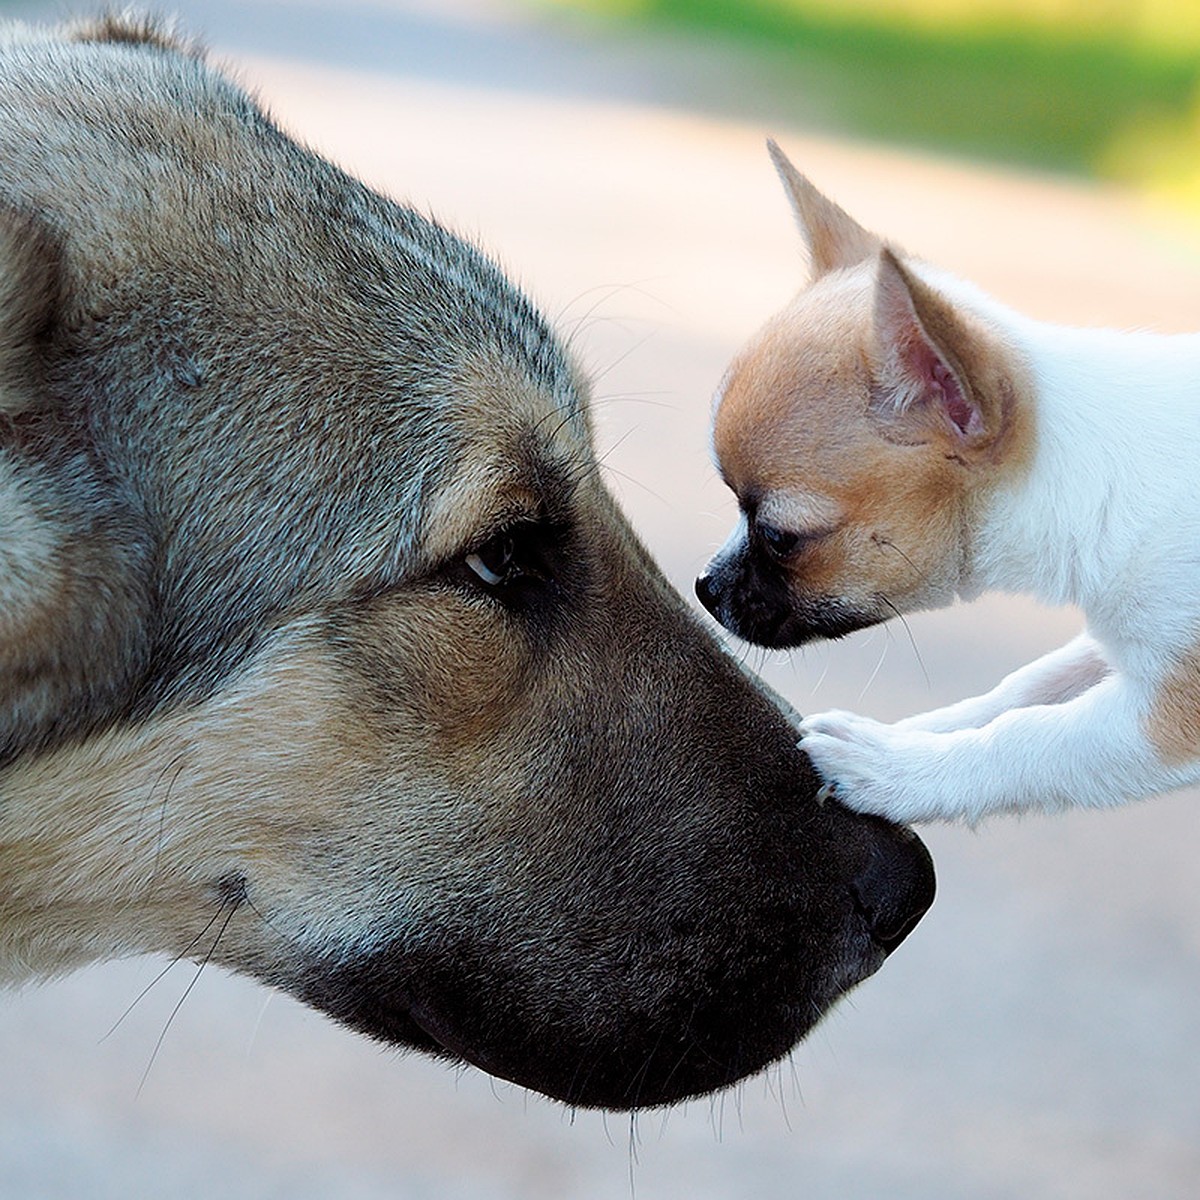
<point x="1038" y="1036"/>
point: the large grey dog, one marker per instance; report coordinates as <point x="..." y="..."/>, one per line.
<point x="325" y="655"/>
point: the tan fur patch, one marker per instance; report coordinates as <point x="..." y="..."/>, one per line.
<point x="330" y="807"/>
<point x="835" y="240"/>
<point x="137" y="824"/>
<point x="1174" y="722"/>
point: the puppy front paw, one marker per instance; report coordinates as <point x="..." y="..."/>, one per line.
<point x="846" y="751"/>
<point x="871" y="767"/>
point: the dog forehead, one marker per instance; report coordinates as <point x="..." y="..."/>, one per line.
<point x="521" y="449"/>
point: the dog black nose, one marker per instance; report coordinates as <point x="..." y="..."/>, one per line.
<point x="706" y="593"/>
<point x="896" y="887"/>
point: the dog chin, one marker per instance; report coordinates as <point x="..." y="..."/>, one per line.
<point x="597" y="1050"/>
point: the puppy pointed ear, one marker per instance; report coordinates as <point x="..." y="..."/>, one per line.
<point x="921" y="345"/>
<point x="30" y="292"/>
<point x="834" y="238"/>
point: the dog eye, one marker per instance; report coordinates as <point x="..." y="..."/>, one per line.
<point x="779" y="542"/>
<point x="518" y="566"/>
<point x="494" y="561"/>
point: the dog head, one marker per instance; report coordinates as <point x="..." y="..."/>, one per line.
<point x="327" y="655"/>
<point x="859" y="431"/>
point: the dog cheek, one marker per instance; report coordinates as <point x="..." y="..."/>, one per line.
<point x="434" y="669"/>
<point x="361" y="812"/>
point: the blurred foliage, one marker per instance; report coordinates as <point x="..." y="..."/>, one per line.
<point x="1107" y="87"/>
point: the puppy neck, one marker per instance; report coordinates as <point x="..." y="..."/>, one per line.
<point x="1116" y="438"/>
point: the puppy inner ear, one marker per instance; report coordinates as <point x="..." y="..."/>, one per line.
<point x="920" y="385"/>
<point x="834" y="238"/>
<point x="30" y="289"/>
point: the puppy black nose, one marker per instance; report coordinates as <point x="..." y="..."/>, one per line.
<point x="706" y="593"/>
<point x="896" y="887"/>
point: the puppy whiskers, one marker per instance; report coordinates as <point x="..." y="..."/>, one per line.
<point x="924" y="578"/>
<point x="887" y="641"/>
<point x="912" y="641"/>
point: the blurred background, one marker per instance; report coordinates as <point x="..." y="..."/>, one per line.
<point x="1039" y="1034"/>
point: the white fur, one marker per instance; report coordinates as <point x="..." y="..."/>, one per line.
<point x="1108" y="519"/>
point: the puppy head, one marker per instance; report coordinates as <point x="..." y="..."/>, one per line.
<point x="858" y="430"/>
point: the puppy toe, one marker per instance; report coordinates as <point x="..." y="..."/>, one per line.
<point x="850" y="771"/>
<point x="835" y="724"/>
<point x="829" y="754"/>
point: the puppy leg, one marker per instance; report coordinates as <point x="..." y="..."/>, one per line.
<point x="1091" y="751"/>
<point x="1054" y="678"/>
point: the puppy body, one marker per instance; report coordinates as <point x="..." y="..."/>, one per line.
<point x="898" y="440"/>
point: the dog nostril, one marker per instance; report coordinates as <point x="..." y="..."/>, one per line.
<point x="895" y="889"/>
<point x="706" y="593"/>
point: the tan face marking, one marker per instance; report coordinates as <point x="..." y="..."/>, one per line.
<point x="1173" y="725"/>
<point x="804" y="513"/>
<point x="801" y="415"/>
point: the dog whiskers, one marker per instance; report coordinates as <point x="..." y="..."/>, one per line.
<point x="178" y="763"/>
<point x="603" y="294"/>
<point x="229" y="906"/>
<point x="161" y="975"/>
<point x="591" y="467"/>
<point x="606" y="293"/>
<point x="616" y="362"/>
<point x="633" y="1153"/>
<point x="615" y="471"/>
<point x="647" y="399"/>
<point x="173" y="767"/>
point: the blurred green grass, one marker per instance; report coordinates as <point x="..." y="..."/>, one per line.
<point x="1107" y="88"/>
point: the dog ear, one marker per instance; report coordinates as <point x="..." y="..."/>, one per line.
<point x="834" y="238"/>
<point x="30" y="275"/>
<point x="922" y="384"/>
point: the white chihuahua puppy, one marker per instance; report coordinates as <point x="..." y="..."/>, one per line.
<point x="897" y="439"/>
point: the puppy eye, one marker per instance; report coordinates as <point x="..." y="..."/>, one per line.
<point x="494" y="561"/>
<point x="779" y="542"/>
